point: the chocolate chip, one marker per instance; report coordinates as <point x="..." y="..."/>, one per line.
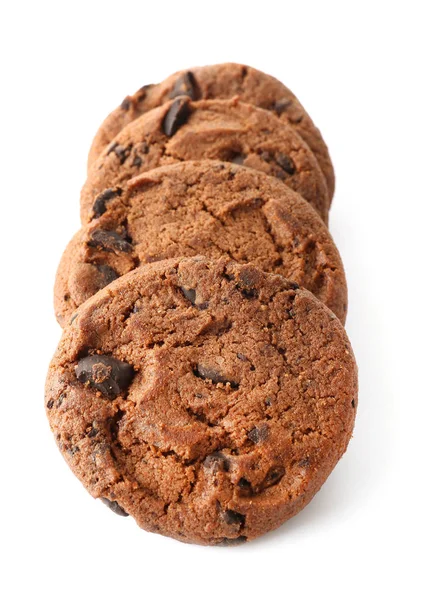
<point x="213" y="375"/>
<point x="293" y="285"/>
<point x="265" y="155"/>
<point x="228" y="276"/>
<point x="120" y="151"/>
<point x="125" y="105"/>
<point x="280" y="106"/>
<point x="280" y="174"/>
<point x="142" y="92"/>
<point x="259" y="434"/>
<point x="245" y="487"/>
<point x="115" y="507"/>
<point x="50" y="404"/>
<point x="123" y="153"/>
<point x="137" y="161"/>
<point x="283" y="161"/>
<point x="273" y="476"/>
<point x="185" y="85"/>
<point x="304" y="462"/>
<point x="144" y="148"/>
<point x="99" y="205"/>
<point x="286" y="163"/>
<point x="113" y="424"/>
<point x="353" y="404"/>
<point x="216" y="462"/>
<point x="92" y="433"/>
<point x="110" y="241"/>
<point x="105" y="373"/>
<point x="247" y="281"/>
<point x="233" y="518"/>
<point x="248" y="293"/>
<point x="108" y="275"/>
<point x="177" y="116"/>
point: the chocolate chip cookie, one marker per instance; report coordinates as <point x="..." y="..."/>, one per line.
<point x="220" y="81"/>
<point x="206" y="399"/>
<point x="215" y="129"/>
<point x="201" y="207"/>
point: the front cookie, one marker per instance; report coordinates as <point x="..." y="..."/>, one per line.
<point x="208" y="400"/>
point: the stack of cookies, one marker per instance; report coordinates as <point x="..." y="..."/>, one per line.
<point x="204" y="383"/>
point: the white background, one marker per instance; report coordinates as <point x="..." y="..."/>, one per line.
<point x="363" y="71"/>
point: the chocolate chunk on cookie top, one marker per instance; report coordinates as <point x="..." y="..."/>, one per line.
<point x="202" y="207"/>
<point x="223" y="81"/>
<point x="105" y="373"/>
<point x="207" y="399"/>
<point x="226" y="130"/>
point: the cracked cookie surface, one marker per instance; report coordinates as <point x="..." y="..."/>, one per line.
<point x="225" y="130"/>
<point x="208" y="400"/>
<point x="201" y="207"/>
<point x="222" y="81"/>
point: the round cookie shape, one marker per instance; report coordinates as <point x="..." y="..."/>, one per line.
<point x="235" y="396"/>
<point x="225" y="130"/>
<point x="201" y="207"/>
<point x="221" y="81"/>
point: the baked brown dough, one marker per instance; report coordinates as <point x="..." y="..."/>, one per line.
<point x="216" y="129"/>
<point x="208" y="400"/>
<point x="202" y="207"/>
<point x="220" y="81"/>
